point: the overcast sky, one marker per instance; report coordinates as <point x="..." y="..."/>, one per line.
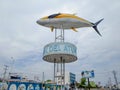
<point x="23" y="39"/>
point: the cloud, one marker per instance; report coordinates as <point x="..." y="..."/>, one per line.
<point x="22" y="38"/>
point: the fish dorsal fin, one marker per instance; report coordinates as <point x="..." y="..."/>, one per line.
<point x="53" y="15"/>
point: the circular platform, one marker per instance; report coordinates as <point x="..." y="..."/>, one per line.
<point x="54" y="51"/>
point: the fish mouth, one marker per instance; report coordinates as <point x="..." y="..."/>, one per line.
<point x="37" y="21"/>
<point x="40" y="22"/>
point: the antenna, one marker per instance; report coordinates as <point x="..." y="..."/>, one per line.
<point x="114" y="73"/>
<point x="5" y="71"/>
<point x="12" y="64"/>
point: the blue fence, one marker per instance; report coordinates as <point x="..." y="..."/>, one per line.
<point x="28" y="86"/>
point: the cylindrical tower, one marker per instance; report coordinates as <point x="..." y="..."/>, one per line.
<point x="59" y="53"/>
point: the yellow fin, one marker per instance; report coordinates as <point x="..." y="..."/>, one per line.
<point x="74" y="29"/>
<point x="74" y="14"/>
<point x="52" y="28"/>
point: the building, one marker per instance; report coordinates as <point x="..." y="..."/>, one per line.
<point x="69" y="78"/>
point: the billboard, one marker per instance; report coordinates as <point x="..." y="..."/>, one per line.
<point x="88" y="74"/>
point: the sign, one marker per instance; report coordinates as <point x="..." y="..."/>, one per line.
<point x="88" y="74"/>
<point x="56" y="50"/>
<point x="58" y="47"/>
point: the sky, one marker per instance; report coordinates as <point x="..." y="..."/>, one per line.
<point x="22" y="40"/>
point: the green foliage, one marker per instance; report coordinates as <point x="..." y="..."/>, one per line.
<point x="92" y="84"/>
<point x="83" y="84"/>
<point x="48" y="80"/>
<point x="77" y="84"/>
<point x="0" y="80"/>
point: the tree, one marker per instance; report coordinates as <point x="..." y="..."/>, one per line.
<point x="92" y="84"/>
<point x="48" y="80"/>
<point x="83" y="82"/>
<point x="77" y="85"/>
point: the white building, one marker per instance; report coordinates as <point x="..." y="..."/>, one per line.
<point x="69" y="78"/>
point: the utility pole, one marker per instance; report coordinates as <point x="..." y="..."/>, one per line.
<point x="5" y="71"/>
<point x="43" y="81"/>
<point x="11" y="67"/>
<point x="109" y="83"/>
<point x="43" y="78"/>
<point x="88" y="84"/>
<point x="114" y="73"/>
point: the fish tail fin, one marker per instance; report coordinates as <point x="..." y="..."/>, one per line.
<point x="95" y="26"/>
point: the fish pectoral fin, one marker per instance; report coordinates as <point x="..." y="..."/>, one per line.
<point x="52" y="28"/>
<point x="74" y="14"/>
<point x="74" y="29"/>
